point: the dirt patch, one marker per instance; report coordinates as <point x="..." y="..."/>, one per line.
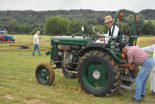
<point x="2" y="87"/>
<point x="8" y="96"/>
<point x="33" y="101"/>
<point x="65" y="101"/>
<point x="68" y="88"/>
<point x="1" y="95"/>
<point x="38" y="96"/>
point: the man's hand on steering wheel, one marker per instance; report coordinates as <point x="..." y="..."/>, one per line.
<point x="101" y="39"/>
<point x="97" y="31"/>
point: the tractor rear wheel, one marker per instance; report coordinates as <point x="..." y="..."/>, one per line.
<point x="98" y="74"/>
<point x="68" y="75"/>
<point x="45" y="74"/>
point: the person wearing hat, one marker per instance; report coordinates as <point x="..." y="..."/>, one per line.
<point x="137" y="56"/>
<point x="109" y="21"/>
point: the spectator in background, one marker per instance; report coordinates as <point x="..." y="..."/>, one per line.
<point x="36" y="43"/>
<point x="152" y="83"/>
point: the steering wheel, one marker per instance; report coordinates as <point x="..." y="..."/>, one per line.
<point x="97" y="31"/>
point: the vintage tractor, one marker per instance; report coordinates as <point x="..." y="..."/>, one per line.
<point x="6" y="38"/>
<point x="96" y="65"/>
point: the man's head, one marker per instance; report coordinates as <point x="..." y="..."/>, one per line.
<point x="124" y="50"/>
<point x="108" y="21"/>
<point x="38" y="32"/>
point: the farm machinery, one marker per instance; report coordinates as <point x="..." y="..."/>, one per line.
<point x="96" y="65"/>
<point x="4" y="38"/>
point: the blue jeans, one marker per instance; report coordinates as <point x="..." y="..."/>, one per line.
<point x="142" y="77"/>
<point x="36" y="46"/>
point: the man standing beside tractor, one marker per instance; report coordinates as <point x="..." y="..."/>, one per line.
<point x="109" y="21"/>
<point x="36" y="43"/>
<point x="136" y="56"/>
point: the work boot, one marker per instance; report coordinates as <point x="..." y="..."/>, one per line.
<point x="134" y="100"/>
<point x="142" y="97"/>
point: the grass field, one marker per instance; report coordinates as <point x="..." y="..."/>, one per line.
<point x="153" y="21"/>
<point x="18" y="84"/>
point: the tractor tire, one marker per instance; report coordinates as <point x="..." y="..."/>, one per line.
<point x="68" y="75"/>
<point x="133" y="74"/>
<point x="45" y="74"/>
<point x="98" y="74"/>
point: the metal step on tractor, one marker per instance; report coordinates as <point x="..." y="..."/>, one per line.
<point x="96" y="65"/>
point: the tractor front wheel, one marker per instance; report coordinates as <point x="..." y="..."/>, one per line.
<point x="45" y="74"/>
<point x="98" y="74"/>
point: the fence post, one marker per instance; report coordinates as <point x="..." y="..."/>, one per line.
<point x="19" y="45"/>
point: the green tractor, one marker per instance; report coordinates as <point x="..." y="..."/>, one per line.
<point x="96" y="65"/>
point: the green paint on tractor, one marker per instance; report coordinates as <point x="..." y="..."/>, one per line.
<point x="95" y="64"/>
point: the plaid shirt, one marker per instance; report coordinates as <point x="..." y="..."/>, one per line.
<point x="136" y="54"/>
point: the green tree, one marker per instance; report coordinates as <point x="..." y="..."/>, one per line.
<point x="56" y="25"/>
<point x="37" y="29"/>
<point x="24" y="28"/>
<point x="13" y="26"/>
<point x="75" y="27"/>
<point x="2" y="26"/>
<point x="139" y="23"/>
<point x="149" y="28"/>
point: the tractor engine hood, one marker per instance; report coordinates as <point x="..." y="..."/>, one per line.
<point x="78" y="40"/>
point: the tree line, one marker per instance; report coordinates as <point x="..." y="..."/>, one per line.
<point x="68" y="21"/>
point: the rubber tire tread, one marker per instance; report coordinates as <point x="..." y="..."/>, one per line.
<point x="114" y="79"/>
<point x="51" y="71"/>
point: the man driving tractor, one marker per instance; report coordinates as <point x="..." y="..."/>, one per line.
<point x="109" y="22"/>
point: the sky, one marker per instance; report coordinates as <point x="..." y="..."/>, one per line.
<point x="98" y="5"/>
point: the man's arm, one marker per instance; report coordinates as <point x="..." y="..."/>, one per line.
<point x="130" y="65"/>
<point x="133" y="66"/>
<point x="126" y="65"/>
<point x="35" y="41"/>
<point x="149" y="48"/>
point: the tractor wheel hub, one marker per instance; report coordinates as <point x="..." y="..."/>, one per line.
<point x="96" y="74"/>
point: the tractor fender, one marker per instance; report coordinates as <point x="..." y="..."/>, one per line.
<point x="99" y="48"/>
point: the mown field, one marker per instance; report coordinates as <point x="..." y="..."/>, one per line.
<point x="153" y="21"/>
<point x="18" y="84"/>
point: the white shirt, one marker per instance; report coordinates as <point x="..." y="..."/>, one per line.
<point x="107" y="37"/>
<point x="36" y="37"/>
